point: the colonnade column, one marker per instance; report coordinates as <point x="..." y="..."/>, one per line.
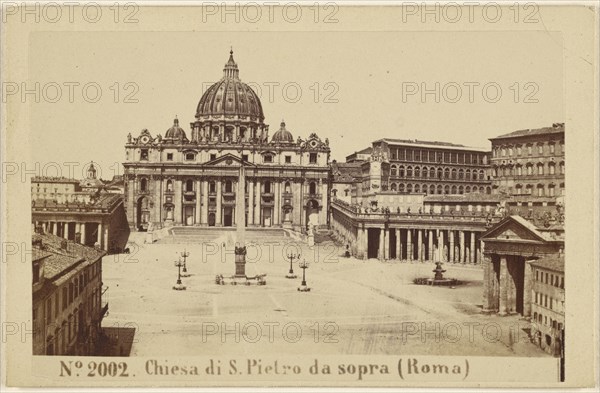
<point x="99" y="235"/>
<point x="461" y="250"/>
<point x="420" y="245"/>
<point x="398" y="245"/>
<point x="219" y="222"/>
<point x="430" y="254"/>
<point x="82" y="231"/>
<point x="440" y="245"/>
<point x="472" y="248"/>
<point x="65" y="233"/>
<point x="409" y="247"/>
<point x="55" y="228"/>
<point x="380" y="253"/>
<point x="178" y="218"/>
<point x="386" y="244"/>
<point x="451" y="246"/>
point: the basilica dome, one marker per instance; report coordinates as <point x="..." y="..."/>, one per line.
<point x="175" y="132"/>
<point x="282" y="135"/>
<point x="230" y="97"/>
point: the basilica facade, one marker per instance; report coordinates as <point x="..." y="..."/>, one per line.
<point x="191" y="177"/>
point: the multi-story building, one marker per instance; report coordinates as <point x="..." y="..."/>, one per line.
<point x="530" y="162"/>
<point x="548" y="303"/>
<point x="83" y="211"/>
<point x="67" y="290"/>
<point x="176" y="180"/>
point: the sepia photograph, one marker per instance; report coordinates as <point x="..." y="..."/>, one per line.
<point x="289" y="194"/>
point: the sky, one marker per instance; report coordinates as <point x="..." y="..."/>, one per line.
<point x="350" y="87"/>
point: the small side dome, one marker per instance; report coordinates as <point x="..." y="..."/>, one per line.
<point x="282" y="135"/>
<point x="175" y="132"/>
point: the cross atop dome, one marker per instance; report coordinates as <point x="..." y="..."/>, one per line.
<point x="231" y="68"/>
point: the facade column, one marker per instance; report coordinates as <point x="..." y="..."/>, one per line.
<point x="66" y="230"/>
<point x="420" y="245"/>
<point x="488" y="286"/>
<point x="178" y="202"/>
<point x="386" y="244"/>
<point x="55" y="228"/>
<point x="257" y="218"/>
<point x="219" y="221"/>
<point x="503" y="300"/>
<point x="472" y="248"/>
<point x="82" y="229"/>
<point x="77" y="229"/>
<point x="250" y="202"/>
<point x="105" y="235"/>
<point x="461" y="249"/>
<point x="527" y="287"/>
<point x="158" y="200"/>
<point x="277" y="204"/>
<point x="409" y="246"/>
<point x="204" y="216"/>
<point x="398" y="245"/>
<point x="451" y="246"/>
<point x="198" y="204"/>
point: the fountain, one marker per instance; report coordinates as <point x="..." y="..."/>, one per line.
<point x="438" y="278"/>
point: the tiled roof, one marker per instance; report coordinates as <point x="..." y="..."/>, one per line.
<point x="345" y="171"/>
<point x="553" y="262"/>
<point x="431" y="144"/>
<point x="555" y="129"/>
<point x="52" y="179"/>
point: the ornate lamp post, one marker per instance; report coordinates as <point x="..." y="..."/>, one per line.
<point x="303" y="287"/>
<point x="184" y="255"/>
<point x="291" y="257"/>
<point x="179" y="285"/>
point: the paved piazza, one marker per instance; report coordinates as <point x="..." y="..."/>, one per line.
<point x="387" y="313"/>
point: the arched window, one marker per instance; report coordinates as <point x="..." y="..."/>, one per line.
<point x="519" y="189"/>
<point x="439" y="189"/>
<point x="143" y="184"/>
<point x="228" y="186"/>
<point x="432" y="189"/>
<point x="467" y="190"/>
<point x="401" y="188"/>
<point x="551" y="168"/>
<point x="453" y="173"/>
<point x="453" y="190"/>
<point x="447" y="173"/>
<point x="401" y="171"/>
<point x="212" y="186"/>
<point x="440" y="173"/>
<point x="540" y="168"/>
<point x="461" y="174"/>
<point x="425" y="172"/>
<point x="267" y="187"/>
<point x="393" y="170"/>
<point x="409" y="188"/>
<point x="468" y="174"/>
<point x="540" y="190"/>
<point x="488" y="190"/>
<point x="474" y="175"/>
<point x="409" y="171"/>
<point x="562" y="167"/>
<point x="481" y="190"/>
<point x="312" y="188"/>
<point x="461" y="190"/>
<point x="446" y="189"/>
<point x="481" y="174"/>
<point x="393" y="187"/>
<point x="417" y="188"/>
<point x="287" y="188"/>
<point x="417" y="172"/>
<point x="189" y="185"/>
<point x="551" y="191"/>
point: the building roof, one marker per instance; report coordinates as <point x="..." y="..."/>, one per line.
<point x="345" y="172"/>
<point x="557" y="128"/>
<point x="54" y="179"/>
<point x="431" y="144"/>
<point x="552" y="262"/>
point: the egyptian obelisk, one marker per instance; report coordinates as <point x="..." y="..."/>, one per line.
<point x="240" y="221"/>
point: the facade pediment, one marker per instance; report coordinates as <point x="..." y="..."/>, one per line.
<point x="228" y="161"/>
<point x="514" y="229"/>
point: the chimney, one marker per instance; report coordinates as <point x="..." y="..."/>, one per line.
<point x="64" y="244"/>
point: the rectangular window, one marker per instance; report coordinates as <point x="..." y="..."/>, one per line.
<point x="169" y="156"/>
<point x="245" y="157"/>
<point x="540" y="149"/>
<point x="552" y="148"/>
<point x="268" y="158"/>
<point x="288" y="159"/>
<point x="190" y="157"/>
<point x="313" y="158"/>
<point x="213" y="156"/>
<point x="65" y="294"/>
<point x="529" y="149"/>
<point x="144" y="154"/>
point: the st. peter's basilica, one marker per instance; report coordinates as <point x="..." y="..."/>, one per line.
<point x="179" y="180"/>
